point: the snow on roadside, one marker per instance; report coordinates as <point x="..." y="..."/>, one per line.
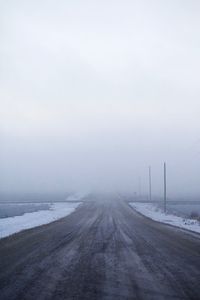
<point x="153" y="212"/>
<point x="15" y="224"/>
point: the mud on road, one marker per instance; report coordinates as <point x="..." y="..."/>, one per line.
<point x="104" y="250"/>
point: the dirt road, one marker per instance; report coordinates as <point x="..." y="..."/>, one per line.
<point x="104" y="250"/>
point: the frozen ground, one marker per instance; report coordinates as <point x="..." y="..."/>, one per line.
<point x="155" y="213"/>
<point x="19" y="209"/>
<point x="15" y="224"/>
<point x="184" y="210"/>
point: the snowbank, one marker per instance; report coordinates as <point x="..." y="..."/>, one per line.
<point x="152" y="211"/>
<point x="15" y="224"/>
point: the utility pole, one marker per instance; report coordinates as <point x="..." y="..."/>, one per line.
<point x="165" y="187"/>
<point x="139" y="186"/>
<point x="149" y="183"/>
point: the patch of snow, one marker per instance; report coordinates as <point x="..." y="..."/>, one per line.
<point x="155" y="213"/>
<point x="15" y="224"/>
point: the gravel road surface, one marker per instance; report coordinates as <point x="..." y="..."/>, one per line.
<point x="104" y="250"/>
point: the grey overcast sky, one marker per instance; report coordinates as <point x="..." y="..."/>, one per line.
<point x="93" y="92"/>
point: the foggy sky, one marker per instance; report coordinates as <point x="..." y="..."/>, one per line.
<point x="93" y="92"/>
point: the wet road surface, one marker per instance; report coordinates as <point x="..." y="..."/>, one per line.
<point x="104" y="250"/>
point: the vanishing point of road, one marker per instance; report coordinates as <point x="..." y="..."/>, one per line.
<point x="103" y="250"/>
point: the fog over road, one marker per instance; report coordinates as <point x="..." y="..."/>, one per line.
<point x="104" y="250"/>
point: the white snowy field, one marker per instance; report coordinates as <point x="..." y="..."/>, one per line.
<point x="15" y="224"/>
<point x="155" y="213"/>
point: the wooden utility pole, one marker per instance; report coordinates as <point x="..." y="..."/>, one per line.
<point x="149" y="183"/>
<point x="139" y="186"/>
<point x="165" y="188"/>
